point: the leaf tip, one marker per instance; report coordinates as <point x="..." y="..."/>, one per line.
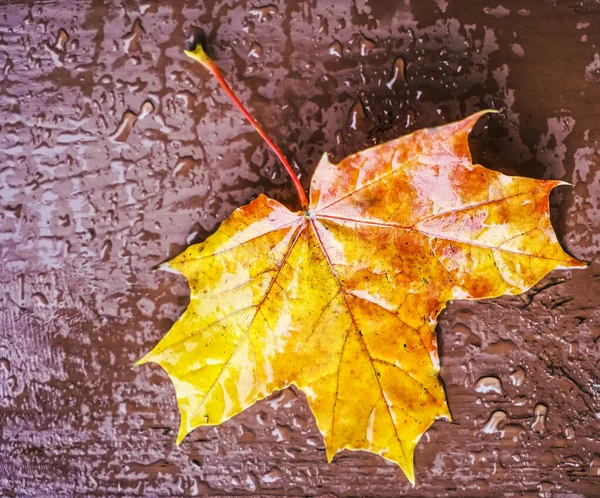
<point x="166" y="266"/>
<point x="408" y="465"/>
<point x="560" y="183"/>
<point x="143" y="360"/>
<point x="161" y="266"/>
<point x="181" y="434"/>
<point x="574" y="264"/>
<point x="329" y="452"/>
<point x="469" y="122"/>
<point x="483" y="112"/>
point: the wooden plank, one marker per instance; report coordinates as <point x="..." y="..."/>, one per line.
<point x="116" y="152"/>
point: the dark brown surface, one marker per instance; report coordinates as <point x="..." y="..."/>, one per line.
<point x="93" y="196"/>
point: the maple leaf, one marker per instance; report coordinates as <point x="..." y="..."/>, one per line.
<point x="341" y="299"/>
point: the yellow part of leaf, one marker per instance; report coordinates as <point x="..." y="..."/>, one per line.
<point x="342" y="300"/>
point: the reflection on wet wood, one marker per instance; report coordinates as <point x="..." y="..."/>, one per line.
<point x="84" y="217"/>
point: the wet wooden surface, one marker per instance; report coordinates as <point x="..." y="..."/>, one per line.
<point x="116" y="152"/>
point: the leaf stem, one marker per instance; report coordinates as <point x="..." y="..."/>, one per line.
<point x="200" y="56"/>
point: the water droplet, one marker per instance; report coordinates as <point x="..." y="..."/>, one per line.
<point x="272" y="476"/>
<point x="493" y="424"/>
<point x="431" y="435"/>
<point x="545" y="489"/>
<point x="336" y="49"/>
<point x="64" y="220"/>
<point x="5" y="365"/>
<point x="271" y="171"/>
<point x="323" y="25"/>
<point x="8" y="66"/>
<point x="147" y="109"/>
<point x="547" y="459"/>
<point x="21" y="280"/>
<point x="58" y="51"/>
<point x="595" y="465"/>
<point x="398" y="74"/>
<point x="573" y="461"/>
<point x="517" y="377"/>
<point x="472" y="339"/>
<point x="461" y="328"/>
<point x="128" y="121"/>
<point x="131" y="41"/>
<point x="255" y="51"/>
<point x="186" y="98"/>
<point x="503" y="347"/>
<point x="573" y="349"/>
<point x="358" y="117"/>
<point x="520" y="400"/>
<point x="513" y="431"/>
<point x="40" y="298"/>
<point x="62" y="38"/>
<point x="569" y="432"/>
<point x="28" y="18"/>
<point x="106" y="250"/>
<point x="539" y="424"/>
<point x="248" y="26"/>
<point x="265" y="12"/>
<point x="366" y="45"/>
<point x="184" y="166"/>
<point x="489" y="385"/>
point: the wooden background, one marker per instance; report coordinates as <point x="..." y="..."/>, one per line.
<point x="116" y="152"/>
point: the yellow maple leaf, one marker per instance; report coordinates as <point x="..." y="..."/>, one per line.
<point x="341" y="299"/>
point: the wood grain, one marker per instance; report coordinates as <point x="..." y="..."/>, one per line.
<point x="116" y="152"/>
